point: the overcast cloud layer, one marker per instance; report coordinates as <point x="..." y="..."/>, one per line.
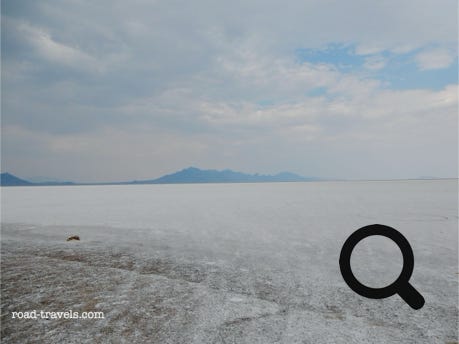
<point x="121" y="90"/>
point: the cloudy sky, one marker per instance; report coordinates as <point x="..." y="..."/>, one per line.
<point x="119" y="90"/>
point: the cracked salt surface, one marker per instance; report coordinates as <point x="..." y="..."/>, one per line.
<point x="234" y="263"/>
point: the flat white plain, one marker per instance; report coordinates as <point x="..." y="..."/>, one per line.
<point x="224" y="263"/>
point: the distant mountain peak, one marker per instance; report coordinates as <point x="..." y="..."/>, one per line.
<point x="195" y="175"/>
<point x="7" y="179"/>
<point x="187" y="175"/>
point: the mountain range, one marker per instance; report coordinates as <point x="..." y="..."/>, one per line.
<point x="185" y="176"/>
<point x="7" y="179"/>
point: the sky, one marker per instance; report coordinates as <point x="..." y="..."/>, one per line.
<point x="112" y="90"/>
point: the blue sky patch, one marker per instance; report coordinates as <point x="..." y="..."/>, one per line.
<point x="396" y="71"/>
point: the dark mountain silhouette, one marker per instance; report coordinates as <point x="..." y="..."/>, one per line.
<point x="7" y="179"/>
<point x="187" y="175"/>
<point x="196" y="175"/>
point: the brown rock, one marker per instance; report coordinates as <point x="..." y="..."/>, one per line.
<point x="73" y="237"/>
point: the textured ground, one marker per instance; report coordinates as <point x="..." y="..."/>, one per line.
<point x="225" y="263"/>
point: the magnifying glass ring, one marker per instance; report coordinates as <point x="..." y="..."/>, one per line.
<point x="345" y="261"/>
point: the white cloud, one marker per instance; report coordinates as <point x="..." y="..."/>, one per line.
<point x="434" y="59"/>
<point x="51" y="50"/>
<point x="165" y="85"/>
<point x="309" y="136"/>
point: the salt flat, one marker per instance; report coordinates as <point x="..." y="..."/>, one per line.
<point x="226" y="263"/>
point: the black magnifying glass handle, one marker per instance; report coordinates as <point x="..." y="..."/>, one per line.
<point x="411" y="296"/>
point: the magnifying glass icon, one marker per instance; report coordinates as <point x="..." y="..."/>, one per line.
<point x="400" y="286"/>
